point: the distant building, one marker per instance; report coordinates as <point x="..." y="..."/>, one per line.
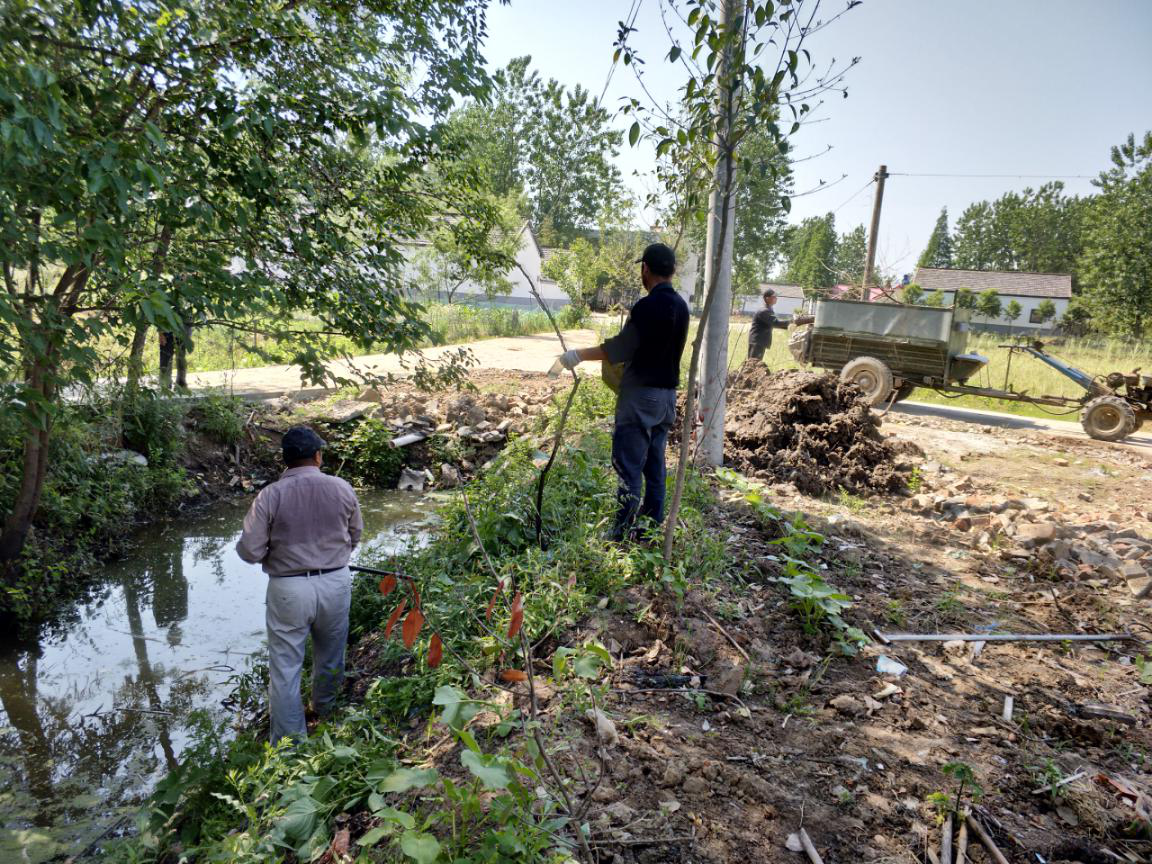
<point x="530" y="256"/>
<point x="1027" y="289"/>
<point x="789" y="298"/>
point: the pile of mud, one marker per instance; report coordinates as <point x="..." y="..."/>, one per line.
<point x="808" y="429"/>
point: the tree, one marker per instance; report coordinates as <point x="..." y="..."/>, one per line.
<point x="551" y="145"/>
<point x="851" y="252"/>
<point x="988" y="304"/>
<point x="811" y="254"/>
<point x="1011" y="312"/>
<point x="964" y="299"/>
<point x="911" y="294"/>
<point x="1034" y="230"/>
<point x="241" y="160"/>
<point x="454" y="257"/>
<point x="743" y="70"/>
<point x="934" y="299"/>
<point x="763" y="182"/>
<point x="1116" y="266"/>
<point x="938" y="252"/>
<point x="1045" y="311"/>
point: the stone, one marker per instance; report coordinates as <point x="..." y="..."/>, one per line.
<point x="411" y="480"/>
<point x="1132" y="570"/>
<point x="125" y="457"/>
<point x="620" y="813"/>
<point x="449" y="476"/>
<point x="1084" y="496"/>
<point x="1035" y="533"/>
<point x="848" y="705"/>
<point x="370" y="394"/>
<point x="345" y="410"/>
<point x="696" y="785"/>
<point x="673" y="775"/>
<point x="728" y="680"/>
<point x="1063" y="463"/>
<point x="1036" y="505"/>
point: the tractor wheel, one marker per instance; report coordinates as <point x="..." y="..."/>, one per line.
<point x="904" y="390"/>
<point x="1108" y="418"/>
<point x="872" y="376"/>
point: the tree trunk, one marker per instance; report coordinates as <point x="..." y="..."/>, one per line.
<point x="693" y="368"/>
<point x="136" y="357"/>
<point x="33" y="469"/>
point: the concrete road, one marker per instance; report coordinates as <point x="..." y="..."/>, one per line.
<point x="522" y="353"/>
<point x="1140" y="442"/>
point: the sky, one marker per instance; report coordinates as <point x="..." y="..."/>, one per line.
<point x="1042" y="88"/>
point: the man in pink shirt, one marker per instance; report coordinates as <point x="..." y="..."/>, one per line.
<point x="302" y="530"/>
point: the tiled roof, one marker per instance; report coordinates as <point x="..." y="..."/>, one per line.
<point x="1006" y="283"/>
<point x="794" y="291"/>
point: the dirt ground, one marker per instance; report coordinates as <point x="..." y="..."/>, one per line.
<point x="856" y="756"/>
<point x="736" y="728"/>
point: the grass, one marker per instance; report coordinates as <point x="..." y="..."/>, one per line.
<point x="1096" y="356"/>
<point x="218" y="348"/>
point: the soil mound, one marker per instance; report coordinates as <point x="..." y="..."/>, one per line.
<point x="809" y="429"/>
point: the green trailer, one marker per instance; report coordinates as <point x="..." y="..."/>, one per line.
<point x="889" y="349"/>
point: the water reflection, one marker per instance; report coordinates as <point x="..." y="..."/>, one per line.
<point x="97" y="713"/>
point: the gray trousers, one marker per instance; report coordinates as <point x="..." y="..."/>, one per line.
<point x="296" y="607"/>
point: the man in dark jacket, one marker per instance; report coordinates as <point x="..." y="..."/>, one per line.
<point x="760" y="336"/>
<point x="651" y="344"/>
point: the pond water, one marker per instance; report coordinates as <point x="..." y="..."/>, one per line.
<point x="96" y="713"/>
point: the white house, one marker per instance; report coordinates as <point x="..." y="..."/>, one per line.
<point x="789" y="299"/>
<point x="530" y="257"/>
<point x="1027" y="289"/>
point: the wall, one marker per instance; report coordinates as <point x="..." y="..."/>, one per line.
<point x="1027" y="304"/>
<point x="785" y="307"/>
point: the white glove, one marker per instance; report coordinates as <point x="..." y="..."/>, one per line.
<point x="570" y="359"/>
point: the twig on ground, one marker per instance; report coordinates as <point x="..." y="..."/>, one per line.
<point x="727" y="636"/>
<point x="962" y="839"/>
<point x="645" y="841"/>
<point x="946" y="841"/>
<point x="985" y="838"/>
<point x="687" y="691"/>
<point x="1051" y="786"/>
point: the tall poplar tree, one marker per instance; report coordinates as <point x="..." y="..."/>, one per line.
<point x="938" y="252"/>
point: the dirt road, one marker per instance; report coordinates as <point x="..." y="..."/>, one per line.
<point x="1140" y="443"/>
<point x="522" y="354"/>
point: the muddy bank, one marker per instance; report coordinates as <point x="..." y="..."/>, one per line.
<point x="811" y="430"/>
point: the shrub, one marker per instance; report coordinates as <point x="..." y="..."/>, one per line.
<point x="218" y="416"/>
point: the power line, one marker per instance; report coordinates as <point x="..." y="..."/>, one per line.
<point x="998" y="176"/>
<point x="854" y="196"/>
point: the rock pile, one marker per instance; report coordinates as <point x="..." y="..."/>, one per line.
<point x="1067" y="545"/>
<point x="809" y="429"/>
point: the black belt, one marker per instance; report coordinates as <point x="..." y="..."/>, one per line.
<point x="308" y="573"/>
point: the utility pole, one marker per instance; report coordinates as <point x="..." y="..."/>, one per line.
<point x="880" y="177"/>
<point x="718" y="274"/>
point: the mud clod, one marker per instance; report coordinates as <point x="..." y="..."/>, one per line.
<point x="809" y="429"/>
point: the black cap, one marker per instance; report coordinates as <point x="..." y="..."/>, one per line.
<point x="300" y="442"/>
<point x="660" y="259"/>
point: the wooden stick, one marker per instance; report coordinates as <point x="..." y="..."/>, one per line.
<point x="946" y="842"/>
<point x="806" y="842"/>
<point x="727" y="636"/>
<point x="962" y="839"/>
<point x="887" y="638"/>
<point x="984" y="838"/>
<point x="1057" y="785"/>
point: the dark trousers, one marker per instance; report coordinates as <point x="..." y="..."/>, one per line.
<point x="756" y="352"/>
<point x="644" y="416"/>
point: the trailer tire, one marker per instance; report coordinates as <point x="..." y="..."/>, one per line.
<point x="872" y="376"/>
<point x="1108" y="418"/>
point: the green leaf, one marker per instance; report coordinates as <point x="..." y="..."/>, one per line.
<point x="422" y="848"/>
<point x="371" y="838"/>
<point x="674" y="54"/>
<point x="490" y="774"/>
<point x="403" y="779"/>
<point x="634" y="134"/>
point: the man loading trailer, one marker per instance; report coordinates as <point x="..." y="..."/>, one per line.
<point x="760" y="336"/>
